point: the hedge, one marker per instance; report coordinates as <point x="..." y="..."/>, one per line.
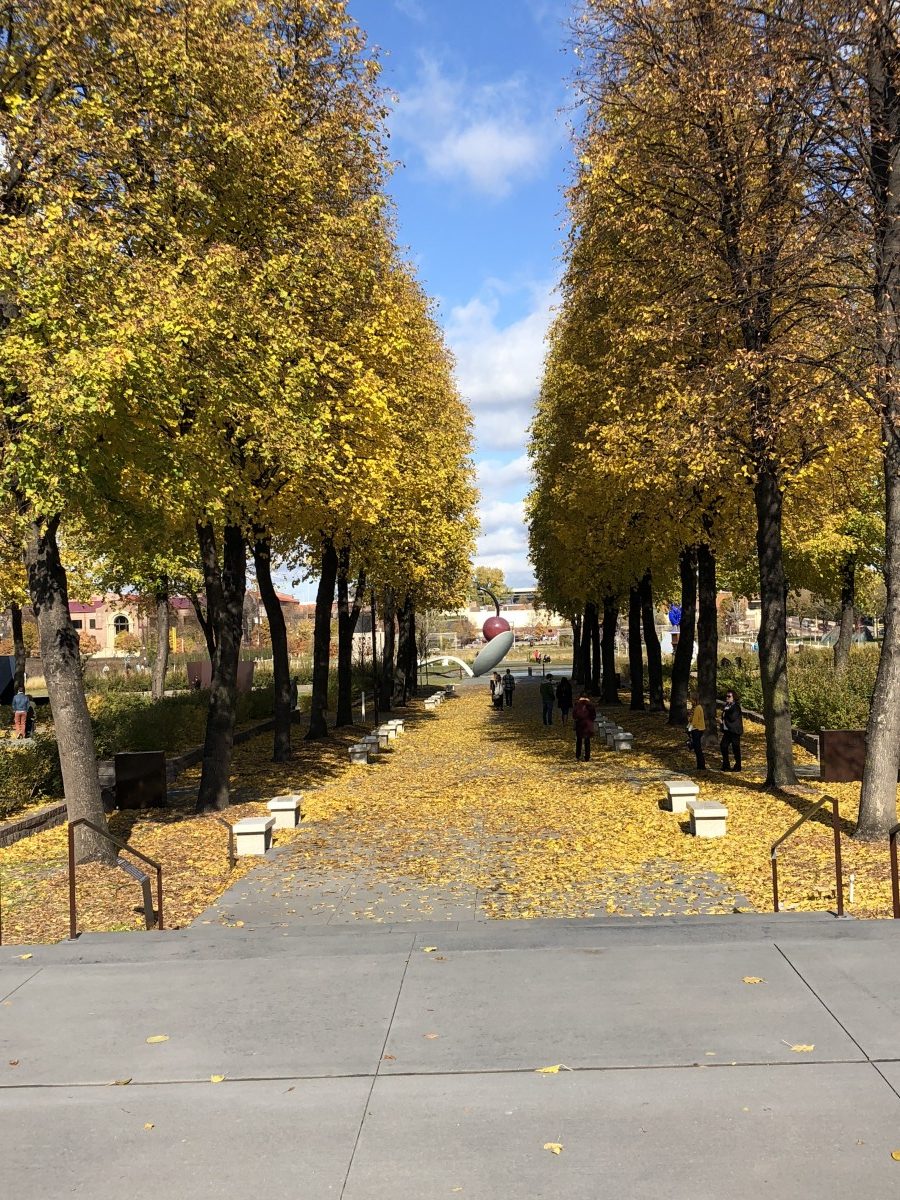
<point x="820" y="697"/>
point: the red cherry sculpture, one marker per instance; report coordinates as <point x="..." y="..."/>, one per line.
<point x="493" y="626"/>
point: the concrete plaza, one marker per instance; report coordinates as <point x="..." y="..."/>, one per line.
<point x="400" y="1062"/>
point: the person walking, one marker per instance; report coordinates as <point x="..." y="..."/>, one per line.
<point x="548" y="695"/>
<point x="732" y="731"/>
<point x="509" y="686"/>
<point x="564" y="699"/>
<point x="20" y="713"/>
<point x="696" y="730"/>
<point x="295" y="693"/>
<point x="496" y="689"/>
<point x="584" y="718"/>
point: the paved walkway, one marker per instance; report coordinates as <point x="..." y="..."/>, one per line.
<point x="377" y="1064"/>
<point x="496" y="774"/>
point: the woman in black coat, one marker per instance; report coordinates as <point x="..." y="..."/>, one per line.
<point x="732" y="731"/>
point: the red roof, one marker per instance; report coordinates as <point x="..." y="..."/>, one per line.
<point x="83" y="608"/>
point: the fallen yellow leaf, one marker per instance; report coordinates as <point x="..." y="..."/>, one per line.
<point x="121" y="1082"/>
<point x="895" y="1155"/>
<point x="753" y="979"/>
<point x="157" y="1037"/>
<point x="431" y="1036"/>
<point x="801" y="1049"/>
<point x="554" y="1070"/>
<point x="553" y="1147"/>
<point x="216" y="1078"/>
<point x="429" y="949"/>
<point x="149" y="1125"/>
<point x="25" y="956"/>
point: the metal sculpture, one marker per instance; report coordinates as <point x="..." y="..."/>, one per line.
<point x="498" y="635"/>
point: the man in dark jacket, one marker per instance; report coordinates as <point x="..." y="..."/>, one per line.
<point x="732" y="731"/>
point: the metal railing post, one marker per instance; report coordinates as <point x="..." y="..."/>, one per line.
<point x="895" y="872"/>
<point x="73" y="923"/>
<point x="838" y="860"/>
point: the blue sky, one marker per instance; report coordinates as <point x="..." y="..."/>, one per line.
<point x="483" y="151"/>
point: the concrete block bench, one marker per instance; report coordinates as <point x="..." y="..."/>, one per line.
<point x="383" y="738"/>
<point x="623" y="741"/>
<point x="389" y="730"/>
<point x="708" y="818"/>
<point x="679" y="792"/>
<point x="253" y="835"/>
<point x="286" y="810"/>
<point x="359" y="753"/>
<point x="397" y="724"/>
<point x="611" y="732"/>
<point x="372" y="743"/>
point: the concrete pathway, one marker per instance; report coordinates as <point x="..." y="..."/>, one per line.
<point x="402" y="1062"/>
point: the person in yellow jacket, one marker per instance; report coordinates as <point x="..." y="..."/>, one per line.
<point x="696" y="730"/>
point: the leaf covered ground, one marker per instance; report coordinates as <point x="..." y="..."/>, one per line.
<point x="487" y="809"/>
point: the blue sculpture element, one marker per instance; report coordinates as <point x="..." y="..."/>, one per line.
<point x="675" y="615"/>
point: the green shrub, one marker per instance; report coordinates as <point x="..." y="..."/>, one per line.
<point x="28" y="771"/>
<point x="820" y="697"/>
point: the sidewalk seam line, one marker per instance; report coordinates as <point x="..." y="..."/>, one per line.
<point x="374" y="1077"/>
<point x="813" y="991"/>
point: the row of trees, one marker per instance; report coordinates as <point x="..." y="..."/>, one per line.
<point x="212" y="348"/>
<point x="724" y="371"/>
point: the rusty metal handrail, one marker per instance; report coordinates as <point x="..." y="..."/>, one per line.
<point x="73" y="825"/>
<point x="895" y="874"/>
<point x="232" y="857"/>
<point x="838" y="860"/>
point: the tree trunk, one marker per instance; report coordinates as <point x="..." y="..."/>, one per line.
<point x="848" y="615"/>
<point x="18" y="637"/>
<point x="402" y="682"/>
<point x="584" y="650"/>
<point x="654" y="650"/>
<point x="376" y="683"/>
<point x="281" y="662"/>
<point x="707" y="637"/>
<point x="209" y="635"/>
<point x="878" y="799"/>
<point x="348" y="619"/>
<point x="225" y="590"/>
<point x="596" y="656"/>
<point x="773" y="630"/>
<point x="161" y="662"/>
<point x="610" y="691"/>
<point x="412" y="669"/>
<point x="318" y="724"/>
<point x="635" y="651"/>
<point x="684" y="651"/>
<point x="388" y="620"/>
<point x="61" y="658"/>
<point x="576" y="645"/>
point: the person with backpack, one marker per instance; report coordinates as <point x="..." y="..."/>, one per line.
<point x="548" y="695"/>
<point x="732" y="731"/>
<point x="20" y="713"/>
<point x="509" y="686"/>
<point x="564" y="699"/>
<point x="496" y="689"/>
<point x="584" y="717"/>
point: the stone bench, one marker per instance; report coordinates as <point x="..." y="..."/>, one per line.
<point x="372" y="743"/>
<point x="359" y="753"/>
<point x="623" y="741"/>
<point x="679" y="792"/>
<point x="253" y="835"/>
<point x="397" y="724"/>
<point x="611" y="732"/>
<point x="708" y="818"/>
<point x="285" y="810"/>
<point x="389" y="730"/>
<point x="383" y="737"/>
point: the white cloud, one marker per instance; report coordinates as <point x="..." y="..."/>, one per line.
<point x="414" y="9"/>
<point x="487" y="136"/>
<point x="498" y="366"/>
<point x="496" y="478"/>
